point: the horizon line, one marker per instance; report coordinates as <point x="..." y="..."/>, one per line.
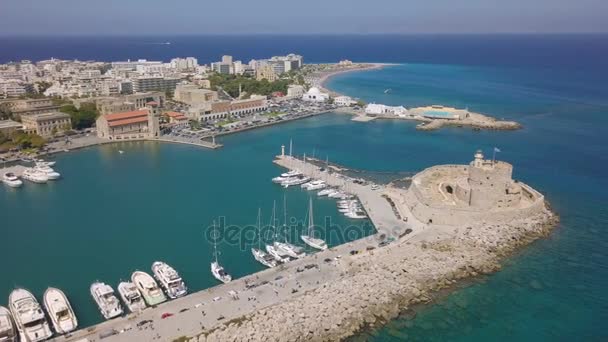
<point x="40" y="35"/>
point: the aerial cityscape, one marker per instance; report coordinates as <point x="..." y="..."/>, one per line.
<point x="389" y="183"/>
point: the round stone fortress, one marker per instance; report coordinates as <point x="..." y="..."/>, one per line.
<point x="481" y="191"/>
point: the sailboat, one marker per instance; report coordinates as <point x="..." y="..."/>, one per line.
<point x="216" y="269"/>
<point x="259" y="255"/>
<point x="277" y="254"/>
<point x="309" y="238"/>
<point x="286" y="247"/>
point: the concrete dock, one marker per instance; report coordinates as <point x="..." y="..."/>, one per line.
<point x="205" y="310"/>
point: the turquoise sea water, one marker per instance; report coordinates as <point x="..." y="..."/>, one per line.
<point x="555" y="289"/>
<point x="113" y="213"/>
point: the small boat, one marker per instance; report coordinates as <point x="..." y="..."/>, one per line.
<point x="11" y="180"/>
<point x="169" y="279"/>
<point x="355" y="213"/>
<point x="386" y="91"/>
<point x="108" y="304"/>
<point x="216" y="269"/>
<point x="314" y="185"/>
<point x="8" y="332"/>
<point x="148" y="288"/>
<point x="60" y="311"/>
<point x="29" y="317"/>
<point x="47" y="163"/>
<point x="35" y="176"/>
<point x="121" y="151"/>
<point x="309" y="238"/>
<point x="294" y="181"/>
<point x="326" y="192"/>
<point x="259" y="255"/>
<point x="131" y="297"/>
<point x="289" y="249"/>
<point x="292" y="173"/>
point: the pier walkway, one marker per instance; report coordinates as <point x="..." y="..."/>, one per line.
<point x="378" y="208"/>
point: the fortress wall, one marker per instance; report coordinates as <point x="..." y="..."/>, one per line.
<point x="447" y="215"/>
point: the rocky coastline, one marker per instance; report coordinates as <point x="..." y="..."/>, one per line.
<point x="378" y="285"/>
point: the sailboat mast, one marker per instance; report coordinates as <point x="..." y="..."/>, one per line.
<point x="259" y="229"/>
<point x="214" y="242"/>
<point x="284" y="218"/>
<point x="310" y="218"/>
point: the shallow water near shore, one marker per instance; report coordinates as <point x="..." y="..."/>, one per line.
<point x="114" y="213"/>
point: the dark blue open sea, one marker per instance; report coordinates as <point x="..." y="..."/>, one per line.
<point x="113" y="213"/>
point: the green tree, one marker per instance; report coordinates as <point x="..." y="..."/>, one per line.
<point x="83" y="117"/>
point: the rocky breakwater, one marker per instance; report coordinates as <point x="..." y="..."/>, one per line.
<point x="474" y="120"/>
<point x="377" y="285"/>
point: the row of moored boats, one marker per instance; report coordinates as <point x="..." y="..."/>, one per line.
<point x="26" y="319"/>
<point x="40" y="173"/>
<point x="347" y="204"/>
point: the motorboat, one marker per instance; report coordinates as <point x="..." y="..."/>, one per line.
<point x="50" y="173"/>
<point x="326" y="192"/>
<point x="314" y="185"/>
<point x="216" y="269"/>
<point x="34" y="176"/>
<point x="292" y="173"/>
<point x="309" y="238"/>
<point x="11" y="180"/>
<point x="108" y="304"/>
<point x="169" y="280"/>
<point x="294" y="181"/>
<point x="148" y="288"/>
<point x="131" y="297"/>
<point x="47" y="163"/>
<point x="8" y="332"/>
<point x="60" y="311"/>
<point x="29" y="317"/>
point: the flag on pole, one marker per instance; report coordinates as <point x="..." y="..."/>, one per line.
<point x="496" y="149"/>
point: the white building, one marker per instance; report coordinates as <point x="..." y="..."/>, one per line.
<point x="344" y="101"/>
<point x="380" y="109"/>
<point x="315" y="95"/>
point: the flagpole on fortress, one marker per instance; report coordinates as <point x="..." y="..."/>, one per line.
<point x="496" y="149"/>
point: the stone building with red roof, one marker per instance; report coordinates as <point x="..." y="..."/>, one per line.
<point x="136" y="124"/>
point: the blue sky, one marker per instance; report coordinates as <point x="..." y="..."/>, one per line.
<point x="135" y="17"/>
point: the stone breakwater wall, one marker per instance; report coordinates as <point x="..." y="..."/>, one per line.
<point x="380" y="284"/>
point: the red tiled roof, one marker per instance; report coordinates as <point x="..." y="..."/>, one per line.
<point x="173" y="114"/>
<point x="128" y="121"/>
<point x="126" y="115"/>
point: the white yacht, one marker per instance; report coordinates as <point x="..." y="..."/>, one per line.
<point x="148" y="288"/>
<point x="292" y="173"/>
<point x="8" y="332"/>
<point x="314" y="185"/>
<point x="11" y="180"/>
<point x="289" y="249"/>
<point x="169" y="279"/>
<point x="50" y="173"/>
<point x="43" y="162"/>
<point x="216" y="269"/>
<point x="309" y="238"/>
<point x="294" y="181"/>
<point x="355" y="213"/>
<point x="60" y="311"/>
<point x="326" y="192"/>
<point x="34" y="176"/>
<point x="29" y="317"/>
<point x="259" y="255"/>
<point x="108" y="304"/>
<point x="131" y="297"/>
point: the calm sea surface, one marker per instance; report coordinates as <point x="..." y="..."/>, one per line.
<point x="113" y="213"/>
